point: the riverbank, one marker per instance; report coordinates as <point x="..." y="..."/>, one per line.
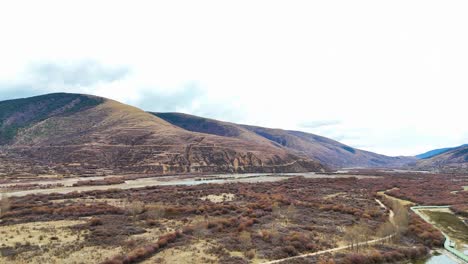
<point x="447" y="256"/>
<point x="448" y="245"/>
<point x="164" y="181"/>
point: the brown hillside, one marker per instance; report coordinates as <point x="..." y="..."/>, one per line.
<point x="325" y="150"/>
<point x="110" y="137"/>
<point x="455" y="160"/>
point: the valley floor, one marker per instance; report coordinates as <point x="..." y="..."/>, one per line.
<point x="242" y="219"/>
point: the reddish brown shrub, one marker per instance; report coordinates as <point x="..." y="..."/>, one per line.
<point x="95" y="221"/>
<point x="425" y="232"/>
<point x="141" y="253"/>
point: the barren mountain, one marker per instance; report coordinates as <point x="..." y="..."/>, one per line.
<point x="325" y="150"/>
<point x="81" y="134"/>
<point x="453" y="160"/>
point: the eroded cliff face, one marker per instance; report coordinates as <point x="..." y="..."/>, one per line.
<point x="113" y="138"/>
<point x="105" y="160"/>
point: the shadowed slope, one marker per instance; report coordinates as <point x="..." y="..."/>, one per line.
<point x="22" y="113"/>
<point x="327" y="151"/>
<point x="435" y="152"/>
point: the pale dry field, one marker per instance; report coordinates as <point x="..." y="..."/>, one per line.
<point x="50" y="242"/>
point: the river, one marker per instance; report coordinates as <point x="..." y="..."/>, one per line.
<point x="163" y="181"/>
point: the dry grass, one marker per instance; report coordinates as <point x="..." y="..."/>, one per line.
<point x="88" y="201"/>
<point x="40" y="233"/>
<point x="333" y="195"/>
<point x="194" y="253"/>
<point x="153" y="234"/>
<point x="401" y="201"/>
<point x="224" y="197"/>
<point x="254" y="260"/>
<point x="52" y="242"/>
<point x="84" y="255"/>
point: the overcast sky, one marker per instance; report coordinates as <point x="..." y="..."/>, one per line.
<point x="385" y="76"/>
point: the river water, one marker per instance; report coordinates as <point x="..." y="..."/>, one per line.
<point x="441" y="259"/>
<point x="168" y="180"/>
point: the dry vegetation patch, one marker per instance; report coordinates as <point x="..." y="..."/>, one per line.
<point x="229" y="223"/>
<point x="196" y="252"/>
<point x="223" y="197"/>
<point x="402" y="201"/>
<point x="39" y="233"/>
<point x="32" y="242"/>
<point x="333" y="195"/>
<point x="88" y="201"/>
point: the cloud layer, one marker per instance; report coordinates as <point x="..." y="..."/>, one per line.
<point x="46" y="77"/>
<point x="388" y="77"/>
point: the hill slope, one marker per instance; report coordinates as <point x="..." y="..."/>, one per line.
<point x="454" y="160"/>
<point x="80" y="134"/>
<point x="22" y="113"/>
<point x="436" y="152"/>
<point x="325" y="150"/>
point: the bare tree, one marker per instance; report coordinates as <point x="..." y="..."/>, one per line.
<point x="4" y="204"/>
<point x="291" y="212"/>
<point x="401" y="217"/>
<point x="349" y="237"/>
<point x="276" y="210"/>
<point x="156" y="211"/>
<point x="385" y="230"/>
<point x="135" y="208"/>
<point x="357" y="235"/>
<point x="245" y="239"/>
<point x="363" y="232"/>
<point x="200" y="231"/>
<point x="352" y="236"/>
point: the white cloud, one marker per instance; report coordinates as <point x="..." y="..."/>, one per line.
<point x="392" y="73"/>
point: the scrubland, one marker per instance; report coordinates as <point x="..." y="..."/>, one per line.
<point x="231" y="222"/>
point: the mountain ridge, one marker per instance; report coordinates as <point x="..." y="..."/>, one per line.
<point x="327" y="151"/>
<point x="455" y="160"/>
<point x="109" y="137"/>
<point x="84" y="134"/>
<point x="435" y="152"/>
<point x="19" y="113"/>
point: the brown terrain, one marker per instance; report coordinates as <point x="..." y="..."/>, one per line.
<point x="330" y="152"/>
<point x="79" y="134"/>
<point x="77" y="185"/>
<point x="293" y="220"/>
<point x="73" y="134"/>
<point x="454" y="160"/>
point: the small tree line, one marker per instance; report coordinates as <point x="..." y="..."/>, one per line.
<point x="358" y="235"/>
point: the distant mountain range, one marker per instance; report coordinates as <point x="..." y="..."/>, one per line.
<point x="74" y="134"/>
<point x="327" y="151"/>
<point x="436" y="152"/>
<point x="445" y="160"/>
